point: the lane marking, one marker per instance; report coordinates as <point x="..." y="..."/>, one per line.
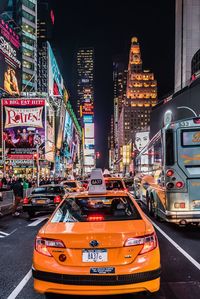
<point x="2" y="236"/>
<point x="36" y="222"/>
<point x="21" y="285"/>
<point x="179" y="248"/>
<point x="5" y="234"/>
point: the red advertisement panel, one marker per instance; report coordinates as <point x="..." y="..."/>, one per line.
<point x="23" y="127"/>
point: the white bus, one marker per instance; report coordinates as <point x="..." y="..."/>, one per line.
<point x="172" y="179"/>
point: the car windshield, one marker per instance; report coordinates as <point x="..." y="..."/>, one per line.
<point x="114" y="184"/>
<point x="50" y="189"/>
<point x="70" y="184"/>
<point x="84" y="209"/>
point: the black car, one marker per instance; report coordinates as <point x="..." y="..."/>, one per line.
<point x="44" y="198"/>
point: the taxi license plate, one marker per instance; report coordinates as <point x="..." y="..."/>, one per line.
<point x="94" y="255"/>
<point x="41" y="201"/>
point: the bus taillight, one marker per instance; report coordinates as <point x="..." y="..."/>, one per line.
<point x="169" y="172"/>
<point x="179" y="185"/>
<point x="196" y="120"/>
<point x="179" y="205"/>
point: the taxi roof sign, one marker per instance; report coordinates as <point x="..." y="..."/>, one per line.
<point x="96" y="183"/>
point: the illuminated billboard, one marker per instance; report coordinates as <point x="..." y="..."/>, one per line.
<point x="10" y="60"/>
<point x="55" y="84"/>
<point x="89" y="161"/>
<point x="88" y="119"/>
<point x="89" y="143"/>
<point x="23" y="127"/>
<point x="89" y="130"/>
<point x="89" y="152"/>
<point x="50" y="134"/>
<point x="87" y="108"/>
<point x="141" y="140"/>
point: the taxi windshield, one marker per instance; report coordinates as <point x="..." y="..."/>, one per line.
<point x="70" y="184"/>
<point x="104" y="208"/>
<point x="114" y="184"/>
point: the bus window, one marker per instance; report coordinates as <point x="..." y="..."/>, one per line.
<point x="169" y="153"/>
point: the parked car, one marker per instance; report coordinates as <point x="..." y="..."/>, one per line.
<point x="43" y="198"/>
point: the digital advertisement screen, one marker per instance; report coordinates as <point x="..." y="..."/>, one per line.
<point x="89" y="144"/>
<point x="89" y="130"/>
<point x="191" y="138"/>
<point x="23" y="127"/>
<point x="50" y="134"/>
<point x="55" y="78"/>
<point x="88" y="119"/>
<point x="89" y="160"/>
<point x="141" y="140"/>
<point x="10" y="60"/>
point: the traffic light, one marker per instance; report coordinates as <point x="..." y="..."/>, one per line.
<point x="35" y="156"/>
<point x="98" y="155"/>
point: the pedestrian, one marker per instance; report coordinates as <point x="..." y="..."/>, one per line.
<point x="18" y="194"/>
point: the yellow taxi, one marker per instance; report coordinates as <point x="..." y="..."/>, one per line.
<point x="97" y="243"/>
<point x="73" y="186"/>
<point x="115" y="183"/>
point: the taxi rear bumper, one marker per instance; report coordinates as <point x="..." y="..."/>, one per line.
<point x="48" y="282"/>
<point x="96" y="279"/>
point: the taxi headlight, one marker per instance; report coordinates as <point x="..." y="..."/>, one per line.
<point x="149" y="242"/>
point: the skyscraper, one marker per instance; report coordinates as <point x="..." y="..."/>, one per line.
<point x="24" y="13"/>
<point x="119" y="84"/>
<point x="85" y="104"/>
<point x="141" y="95"/>
<point x="45" y="21"/>
<point x="85" y="76"/>
<point x="187" y="39"/>
<point x="26" y="17"/>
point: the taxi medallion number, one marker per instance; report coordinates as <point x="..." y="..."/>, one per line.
<point x="94" y="255"/>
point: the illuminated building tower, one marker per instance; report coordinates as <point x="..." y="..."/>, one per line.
<point x="119" y="83"/>
<point x="187" y="39"/>
<point x="45" y="21"/>
<point x="24" y="13"/>
<point x="85" y="76"/>
<point x="85" y="104"/>
<point x="141" y="95"/>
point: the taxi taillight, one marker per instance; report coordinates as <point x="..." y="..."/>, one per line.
<point x="42" y="245"/>
<point x="149" y="242"/>
<point x="95" y="218"/>
<point x="57" y="199"/>
<point x="25" y="200"/>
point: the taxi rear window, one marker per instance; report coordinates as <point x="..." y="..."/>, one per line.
<point x="103" y="208"/>
<point x="50" y="189"/>
<point x="70" y="184"/>
<point x="114" y="184"/>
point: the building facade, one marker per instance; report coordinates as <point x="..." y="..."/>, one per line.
<point x="119" y="84"/>
<point x="85" y="105"/>
<point x="141" y="94"/>
<point x="26" y="17"/>
<point x="187" y="39"/>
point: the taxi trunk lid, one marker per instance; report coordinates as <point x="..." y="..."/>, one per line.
<point x="109" y="238"/>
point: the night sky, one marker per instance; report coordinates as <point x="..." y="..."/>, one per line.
<point x="108" y="27"/>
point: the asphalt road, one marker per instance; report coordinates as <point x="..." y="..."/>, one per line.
<point x="180" y="258"/>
